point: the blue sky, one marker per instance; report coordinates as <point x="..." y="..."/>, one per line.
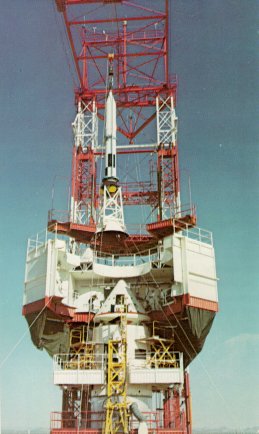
<point x="215" y="57"/>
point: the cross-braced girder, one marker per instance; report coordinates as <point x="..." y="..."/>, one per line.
<point x="83" y="194"/>
<point x="112" y="209"/>
<point x="75" y="403"/>
<point x="117" y="417"/>
<point x="85" y="125"/>
<point x="168" y="170"/>
<point x="166" y="121"/>
<point x="138" y="37"/>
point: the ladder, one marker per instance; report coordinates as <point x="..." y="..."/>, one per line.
<point x="117" y="416"/>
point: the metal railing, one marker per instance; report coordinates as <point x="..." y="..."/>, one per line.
<point x="150" y="255"/>
<point x="198" y="234"/>
<point x="39" y="240"/>
<point x="134" y="35"/>
<point x="87" y="361"/>
<point x="59" y="215"/>
<point x="87" y="422"/>
<point x="81" y="421"/>
<point x="171" y="359"/>
<point x="80" y="217"/>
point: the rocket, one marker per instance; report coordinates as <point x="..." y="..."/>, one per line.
<point x="111" y="227"/>
<point x="110" y="138"/>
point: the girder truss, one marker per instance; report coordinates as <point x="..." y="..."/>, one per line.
<point x="85" y="125"/>
<point x="112" y="209"/>
<point x="75" y="403"/>
<point x="166" y="121"/>
<point x="83" y="194"/>
<point x="117" y="417"/>
<point x="163" y="355"/>
<point x="168" y="170"/>
<point x="137" y="35"/>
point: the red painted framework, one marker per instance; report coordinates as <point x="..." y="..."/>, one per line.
<point x="68" y="313"/>
<point x="140" y="45"/>
<point x="176" y="420"/>
<point x="144" y="54"/>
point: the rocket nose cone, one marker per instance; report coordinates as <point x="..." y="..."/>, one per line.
<point x="110" y="102"/>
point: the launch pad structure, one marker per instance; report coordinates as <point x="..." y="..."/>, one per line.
<point x="121" y="289"/>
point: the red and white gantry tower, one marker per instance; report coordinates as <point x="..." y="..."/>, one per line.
<point x="123" y="291"/>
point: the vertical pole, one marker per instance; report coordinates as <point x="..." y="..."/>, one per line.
<point x="166" y="46"/>
<point x="159" y="192"/>
<point x="73" y="185"/>
<point x="176" y="180"/>
<point x="93" y="187"/>
<point x="124" y="72"/>
<point x="176" y="408"/>
<point x="166" y="410"/>
<point x="85" y="408"/>
<point x="187" y="393"/>
<point x="85" y="75"/>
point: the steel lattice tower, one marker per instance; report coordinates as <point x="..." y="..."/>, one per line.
<point x="122" y="310"/>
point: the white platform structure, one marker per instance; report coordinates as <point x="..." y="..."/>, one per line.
<point x="52" y="270"/>
<point x="132" y="286"/>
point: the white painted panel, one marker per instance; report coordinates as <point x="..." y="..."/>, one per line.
<point x="51" y="269"/>
<point x="121" y="271"/>
<point x="41" y="274"/>
<point x="156" y="376"/>
<point x="200" y="270"/>
<point x="35" y="290"/>
<point x="199" y="263"/>
<point x="80" y="376"/>
<point x="35" y="275"/>
<point x="206" y="249"/>
<point x="177" y="259"/>
<point x="36" y="265"/>
<point x="203" y="287"/>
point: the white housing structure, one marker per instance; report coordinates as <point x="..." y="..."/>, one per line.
<point x="53" y="271"/>
<point x="121" y="294"/>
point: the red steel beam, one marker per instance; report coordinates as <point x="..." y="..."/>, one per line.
<point x="62" y="4"/>
<point x="117" y="56"/>
<point x="144" y="18"/>
<point x="70" y="37"/>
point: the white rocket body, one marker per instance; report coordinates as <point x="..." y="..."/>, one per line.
<point x="110" y="137"/>
<point x="111" y="221"/>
